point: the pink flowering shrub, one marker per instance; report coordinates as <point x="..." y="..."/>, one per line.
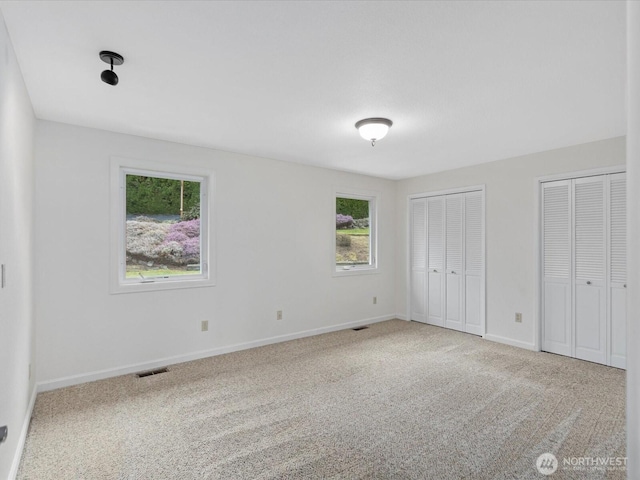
<point x="191" y="247"/>
<point x="182" y="243"/>
<point x="344" y="221"/>
<point x="172" y="243"/>
<point x="190" y="228"/>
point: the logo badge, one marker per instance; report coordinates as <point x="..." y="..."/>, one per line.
<point x="547" y="463"/>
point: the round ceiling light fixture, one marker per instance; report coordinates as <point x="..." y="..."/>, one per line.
<point x="373" y="129"/>
<point x="109" y="76"/>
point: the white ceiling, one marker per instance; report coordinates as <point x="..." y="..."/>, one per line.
<point x="463" y="82"/>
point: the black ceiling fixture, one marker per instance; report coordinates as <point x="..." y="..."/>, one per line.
<point x="109" y="76"/>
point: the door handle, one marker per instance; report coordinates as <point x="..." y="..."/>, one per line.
<point x="588" y="282"/>
<point x="625" y="285"/>
<point x="453" y="272"/>
<point x="435" y="271"/>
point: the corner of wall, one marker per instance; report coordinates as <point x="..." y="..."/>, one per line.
<point x="17" y="177"/>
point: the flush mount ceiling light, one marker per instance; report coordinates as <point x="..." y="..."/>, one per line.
<point x="109" y="76"/>
<point x="373" y="129"/>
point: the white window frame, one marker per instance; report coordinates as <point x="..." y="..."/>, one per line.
<point x="120" y="168"/>
<point x="373" y="199"/>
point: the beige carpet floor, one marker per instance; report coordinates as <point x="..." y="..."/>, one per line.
<point x="399" y="400"/>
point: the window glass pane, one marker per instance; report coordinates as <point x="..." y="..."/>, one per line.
<point x="353" y="244"/>
<point x="162" y="227"/>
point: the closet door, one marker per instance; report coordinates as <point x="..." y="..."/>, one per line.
<point x="474" y="263"/>
<point x="556" y="268"/>
<point x="419" y="260"/>
<point x="435" y="261"/>
<point x="454" y="313"/>
<point x="618" y="269"/>
<point x="590" y="299"/>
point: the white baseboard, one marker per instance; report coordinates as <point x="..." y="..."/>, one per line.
<point x="399" y="316"/>
<point x="509" y="341"/>
<point x="128" y="369"/>
<point x="23" y="436"/>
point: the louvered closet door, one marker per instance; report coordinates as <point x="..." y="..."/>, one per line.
<point x="618" y="269"/>
<point x="474" y="263"/>
<point x="556" y="255"/>
<point x="435" y="261"/>
<point x="419" y="259"/>
<point x="454" y="208"/>
<point x="590" y="298"/>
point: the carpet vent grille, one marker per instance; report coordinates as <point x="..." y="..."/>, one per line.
<point x="152" y="372"/>
<point x="357" y="329"/>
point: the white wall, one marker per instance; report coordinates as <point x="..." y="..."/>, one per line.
<point x="17" y="123"/>
<point x="510" y="209"/>
<point x="633" y="240"/>
<point x="275" y="228"/>
<point x="274" y="249"/>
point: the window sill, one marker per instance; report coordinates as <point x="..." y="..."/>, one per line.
<point x="155" y="286"/>
<point x="341" y="272"/>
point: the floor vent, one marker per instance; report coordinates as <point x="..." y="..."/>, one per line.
<point x="357" y="329"/>
<point x="152" y="372"/>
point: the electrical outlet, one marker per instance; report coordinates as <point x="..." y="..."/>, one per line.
<point x="205" y="325"/>
<point x="375" y="300"/>
<point x="279" y="315"/>
<point x="518" y="318"/>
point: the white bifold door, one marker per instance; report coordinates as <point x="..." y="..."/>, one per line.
<point x="618" y="270"/>
<point x="584" y="255"/>
<point x="447" y="261"/>
<point x="435" y="261"/>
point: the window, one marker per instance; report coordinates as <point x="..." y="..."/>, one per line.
<point x="161" y="227"/>
<point x="355" y="233"/>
